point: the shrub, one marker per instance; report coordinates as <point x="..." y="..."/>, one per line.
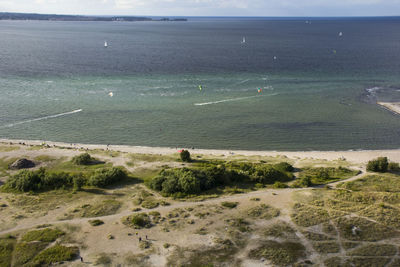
<point x="137" y="221"/>
<point x="230" y="205"/>
<point x="303" y="182"/>
<point x="96" y="222"/>
<point x="284" y="166"/>
<point x="280" y="185"/>
<point x="78" y="181"/>
<point x="378" y="165"/>
<point x="394" y="166"/>
<point x="82" y="159"/>
<point x="185" y="156"/>
<point x="106" y="177"/>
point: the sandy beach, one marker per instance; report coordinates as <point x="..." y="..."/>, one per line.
<point x="356" y="156"/>
<point x="392" y="106"/>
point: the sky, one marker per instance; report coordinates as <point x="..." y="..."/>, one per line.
<point x="207" y="7"/>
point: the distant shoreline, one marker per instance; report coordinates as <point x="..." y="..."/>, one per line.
<point x="54" y="17"/>
<point x="359" y="156"/>
<point x="392" y="106"/>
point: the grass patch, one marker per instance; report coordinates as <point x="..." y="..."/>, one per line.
<point x="376" y="183"/>
<point x="368" y="262"/>
<point x="326" y="175"/>
<point x="137" y="221"/>
<point x="385" y="214"/>
<point x="326" y="247"/>
<point x="103" y="259"/>
<point x="25" y="252"/>
<point x="9" y="148"/>
<point x="44" y="235"/>
<point x="280" y="230"/>
<point x="374" y="250"/>
<point x="230" y="205"/>
<point x="369" y="231"/>
<point x="106" y="207"/>
<point x="240" y="224"/>
<point x="263" y="211"/>
<point x="335" y="262"/>
<point x="316" y="236"/>
<point x="6" y="251"/>
<point x="96" y="222"/>
<point x="281" y="254"/>
<point x="305" y="215"/>
<point x="57" y="253"/>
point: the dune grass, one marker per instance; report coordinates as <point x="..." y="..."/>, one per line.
<point x="57" y="253"/>
<point x="6" y="250"/>
<point x="281" y="254"/>
<point x="25" y="252"/>
<point x="44" y="235"/>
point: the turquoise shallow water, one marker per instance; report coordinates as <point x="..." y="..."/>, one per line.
<point x="56" y="79"/>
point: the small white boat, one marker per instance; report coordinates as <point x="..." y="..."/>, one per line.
<point x="105" y="44"/>
<point x="244" y="40"/>
<point x="340" y="34"/>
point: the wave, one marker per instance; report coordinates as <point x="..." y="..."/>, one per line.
<point x="42" y="118"/>
<point x="230" y="100"/>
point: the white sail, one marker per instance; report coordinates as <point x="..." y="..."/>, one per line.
<point x="105" y="44"/>
<point x="244" y="40"/>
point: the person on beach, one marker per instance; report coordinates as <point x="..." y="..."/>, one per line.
<point x="140" y="239"/>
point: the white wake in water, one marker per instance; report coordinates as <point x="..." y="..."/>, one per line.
<point x="42" y="118"/>
<point x="230" y="100"/>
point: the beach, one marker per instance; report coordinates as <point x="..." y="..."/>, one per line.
<point x="356" y="156"/>
<point x="392" y="106"/>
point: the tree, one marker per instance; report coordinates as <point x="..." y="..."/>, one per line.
<point x="378" y="165"/>
<point x="185" y="156"/>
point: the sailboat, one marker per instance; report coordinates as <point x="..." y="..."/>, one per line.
<point x="244" y="40"/>
<point x="105" y="44"/>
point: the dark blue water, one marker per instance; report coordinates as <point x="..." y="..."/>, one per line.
<point x="314" y="83"/>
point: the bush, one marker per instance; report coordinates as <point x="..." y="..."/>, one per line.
<point x="280" y="185"/>
<point x="284" y="166"/>
<point x="106" y="177"/>
<point x="96" y="222"/>
<point x="78" y="181"/>
<point x="378" y="165"/>
<point x="45" y="235"/>
<point x="303" y="182"/>
<point x="137" y="221"/>
<point x="82" y="159"/>
<point x="394" y="167"/>
<point x="230" y="205"/>
<point x="185" y="156"/>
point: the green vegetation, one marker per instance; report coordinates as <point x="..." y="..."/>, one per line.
<point x="138" y="221"/>
<point x="375" y="183"/>
<point x="103" y="259"/>
<point x="55" y="254"/>
<point x="378" y="165"/>
<point x="280" y="230"/>
<point x="185" y="181"/>
<point x="305" y="215"/>
<point x="83" y="159"/>
<point x="44" y="235"/>
<point x="8" y="148"/>
<point x="43" y="180"/>
<point x="326" y="175"/>
<point x="105" y="177"/>
<point x="374" y="250"/>
<point x="104" y="208"/>
<point x="96" y="222"/>
<point x="394" y="167"/>
<point x="281" y="254"/>
<point x="25" y="252"/>
<point x="326" y="247"/>
<point x="263" y="211"/>
<point x="6" y="251"/>
<point x="185" y="156"/>
<point x="229" y="205"/>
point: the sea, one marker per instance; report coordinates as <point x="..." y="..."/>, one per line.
<point x="284" y="84"/>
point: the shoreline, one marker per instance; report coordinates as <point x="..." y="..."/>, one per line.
<point x="358" y="156"/>
<point x="391" y="106"/>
